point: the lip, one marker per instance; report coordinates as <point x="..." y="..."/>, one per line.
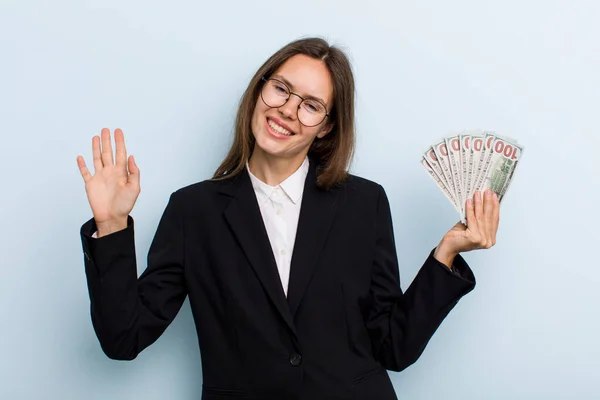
<point x="275" y="133"/>
<point x="281" y="124"/>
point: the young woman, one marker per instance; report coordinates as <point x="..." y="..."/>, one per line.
<point x="288" y="260"/>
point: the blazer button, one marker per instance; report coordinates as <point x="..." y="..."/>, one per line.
<point x="295" y="359"/>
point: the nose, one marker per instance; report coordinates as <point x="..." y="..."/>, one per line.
<point x="290" y="108"/>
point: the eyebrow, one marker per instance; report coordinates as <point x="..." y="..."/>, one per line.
<point x="277" y="76"/>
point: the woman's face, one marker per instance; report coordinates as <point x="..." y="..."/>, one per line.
<point x="278" y="131"/>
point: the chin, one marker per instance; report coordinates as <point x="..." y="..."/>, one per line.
<point x="268" y="146"/>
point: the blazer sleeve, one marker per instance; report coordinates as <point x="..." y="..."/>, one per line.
<point x="128" y="314"/>
<point x="401" y="324"/>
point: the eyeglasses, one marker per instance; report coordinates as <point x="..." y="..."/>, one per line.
<point x="275" y="94"/>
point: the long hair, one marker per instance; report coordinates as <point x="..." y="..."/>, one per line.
<point x="332" y="153"/>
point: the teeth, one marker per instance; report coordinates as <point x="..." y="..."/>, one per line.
<point x="279" y="129"/>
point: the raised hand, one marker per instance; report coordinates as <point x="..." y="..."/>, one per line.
<point x="113" y="189"/>
<point x="483" y="216"/>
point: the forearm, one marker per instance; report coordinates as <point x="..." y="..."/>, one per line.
<point x="401" y="336"/>
<point x="129" y="313"/>
<point x="111" y="273"/>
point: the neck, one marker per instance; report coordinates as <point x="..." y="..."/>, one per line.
<point x="273" y="170"/>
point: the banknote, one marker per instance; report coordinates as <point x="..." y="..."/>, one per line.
<point x="472" y="160"/>
<point x="476" y="148"/>
<point x="504" y="158"/>
<point x="441" y="152"/>
<point x="455" y="161"/>
<point x="440" y="183"/>
<point x="465" y="157"/>
<point x="484" y="160"/>
<point x="433" y="163"/>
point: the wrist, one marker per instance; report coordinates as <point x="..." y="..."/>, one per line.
<point x="444" y="254"/>
<point x="107" y="227"/>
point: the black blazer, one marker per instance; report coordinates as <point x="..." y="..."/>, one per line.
<point x="344" y="322"/>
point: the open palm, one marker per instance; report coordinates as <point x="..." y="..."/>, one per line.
<point x="113" y="189"/>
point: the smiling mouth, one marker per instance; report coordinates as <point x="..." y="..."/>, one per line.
<point x="279" y="129"/>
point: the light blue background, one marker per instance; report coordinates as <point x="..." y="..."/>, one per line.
<point x="170" y="74"/>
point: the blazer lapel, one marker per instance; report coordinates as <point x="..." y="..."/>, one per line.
<point x="317" y="213"/>
<point x="245" y="220"/>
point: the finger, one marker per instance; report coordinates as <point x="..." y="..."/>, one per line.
<point x="134" y="173"/>
<point x="107" y="152"/>
<point x="479" y="236"/>
<point x="488" y="210"/>
<point x="495" y="218"/>
<point x="121" y="151"/>
<point x="85" y="173"/>
<point x="470" y="214"/>
<point x="478" y="207"/>
<point x="96" y="153"/>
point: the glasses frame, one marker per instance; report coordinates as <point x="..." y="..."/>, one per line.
<point x="265" y="80"/>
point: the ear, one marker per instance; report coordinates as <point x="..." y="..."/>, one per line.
<point x="326" y="129"/>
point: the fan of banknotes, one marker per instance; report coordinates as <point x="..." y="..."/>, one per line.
<point x="469" y="161"/>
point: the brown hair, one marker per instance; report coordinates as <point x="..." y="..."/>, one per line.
<point x="334" y="151"/>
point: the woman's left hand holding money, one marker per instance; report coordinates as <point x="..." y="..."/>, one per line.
<point x="483" y="216"/>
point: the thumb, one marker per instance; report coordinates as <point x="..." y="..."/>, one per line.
<point x="134" y="172"/>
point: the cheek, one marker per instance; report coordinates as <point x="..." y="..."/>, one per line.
<point x="308" y="135"/>
<point x="259" y="113"/>
<point x="257" y="117"/>
<point x="314" y="131"/>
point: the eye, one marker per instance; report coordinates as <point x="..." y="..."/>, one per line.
<point x="313" y="107"/>
<point x="280" y="88"/>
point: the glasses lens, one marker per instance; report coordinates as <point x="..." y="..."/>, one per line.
<point x="311" y="112"/>
<point x="275" y="93"/>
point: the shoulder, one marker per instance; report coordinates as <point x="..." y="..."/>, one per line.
<point x="201" y="192"/>
<point x="360" y="191"/>
<point x="360" y="185"/>
<point x="363" y="184"/>
<point x="355" y="189"/>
